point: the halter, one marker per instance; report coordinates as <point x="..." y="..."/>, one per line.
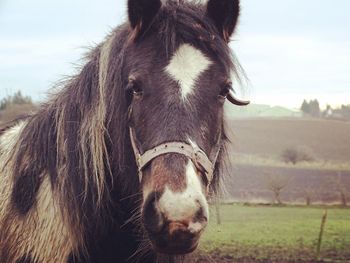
<point x="202" y="162"/>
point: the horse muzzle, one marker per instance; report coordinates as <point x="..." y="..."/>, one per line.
<point x="173" y="236"/>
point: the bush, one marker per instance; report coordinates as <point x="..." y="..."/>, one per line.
<point x="295" y="155"/>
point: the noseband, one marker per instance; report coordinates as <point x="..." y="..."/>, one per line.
<point x="203" y="163"/>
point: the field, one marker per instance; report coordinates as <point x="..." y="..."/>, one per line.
<point x="328" y="140"/>
<point x="250" y="183"/>
<point x="255" y="158"/>
<point x="14" y="111"/>
<point x="275" y="234"/>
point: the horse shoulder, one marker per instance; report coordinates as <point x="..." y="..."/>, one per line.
<point x="40" y="235"/>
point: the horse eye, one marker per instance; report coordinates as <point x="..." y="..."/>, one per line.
<point x="224" y="92"/>
<point x="135" y="88"/>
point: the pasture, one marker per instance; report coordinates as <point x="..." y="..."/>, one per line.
<point x="250" y="183"/>
<point x="256" y="157"/>
<point x="275" y="234"/>
<point x="328" y="140"/>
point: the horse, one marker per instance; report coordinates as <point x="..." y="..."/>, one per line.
<point x="118" y="165"/>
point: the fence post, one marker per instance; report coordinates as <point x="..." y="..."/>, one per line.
<point x="319" y="242"/>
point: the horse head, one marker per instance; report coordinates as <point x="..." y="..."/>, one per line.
<point x="178" y="70"/>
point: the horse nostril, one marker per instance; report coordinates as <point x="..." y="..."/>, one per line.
<point x="200" y="216"/>
<point x="176" y="227"/>
<point x="152" y="218"/>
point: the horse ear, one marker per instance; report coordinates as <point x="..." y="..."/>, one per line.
<point x="225" y="14"/>
<point x="141" y="13"/>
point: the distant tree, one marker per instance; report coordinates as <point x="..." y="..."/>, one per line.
<point x="341" y="190"/>
<point x="18" y="98"/>
<point x="276" y="184"/>
<point x="305" y="108"/>
<point x="290" y="155"/>
<point x="308" y="193"/>
<point x="297" y="154"/>
<point x="4" y="103"/>
<point x="15" y="99"/>
<point x="315" y="108"/>
<point x="305" y="154"/>
<point x="311" y="108"/>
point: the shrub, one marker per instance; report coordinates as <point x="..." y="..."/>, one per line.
<point x="294" y="155"/>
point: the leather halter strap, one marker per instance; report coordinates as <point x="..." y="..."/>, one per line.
<point x="198" y="156"/>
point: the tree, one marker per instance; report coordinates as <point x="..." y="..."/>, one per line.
<point x="305" y="108"/>
<point x="342" y="190"/>
<point x="297" y="154"/>
<point x="18" y="98"/>
<point x="15" y="99"/>
<point x="4" y="103"/>
<point x="311" y="108"/>
<point x="276" y="184"/>
<point x="290" y="155"/>
<point x="308" y="193"/>
<point x="315" y="108"/>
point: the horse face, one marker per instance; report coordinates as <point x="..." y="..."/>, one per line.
<point x="175" y="98"/>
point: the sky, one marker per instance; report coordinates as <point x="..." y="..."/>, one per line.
<point x="290" y="50"/>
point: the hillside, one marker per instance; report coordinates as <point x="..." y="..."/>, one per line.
<point x="259" y="110"/>
<point x="328" y="140"/>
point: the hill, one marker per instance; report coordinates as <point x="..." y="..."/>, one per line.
<point x="327" y="139"/>
<point x="260" y="110"/>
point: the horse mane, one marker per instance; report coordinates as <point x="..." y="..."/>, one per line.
<point x="79" y="138"/>
<point x="69" y="140"/>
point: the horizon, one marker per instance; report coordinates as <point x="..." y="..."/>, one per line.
<point x="287" y="56"/>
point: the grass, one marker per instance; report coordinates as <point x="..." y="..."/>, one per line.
<point x="276" y="234"/>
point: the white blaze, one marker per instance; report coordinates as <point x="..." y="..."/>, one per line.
<point x="186" y="66"/>
<point x="178" y="206"/>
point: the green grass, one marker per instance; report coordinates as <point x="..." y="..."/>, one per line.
<point x="277" y="234"/>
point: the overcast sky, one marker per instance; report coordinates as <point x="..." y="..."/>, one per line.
<point x="290" y="49"/>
